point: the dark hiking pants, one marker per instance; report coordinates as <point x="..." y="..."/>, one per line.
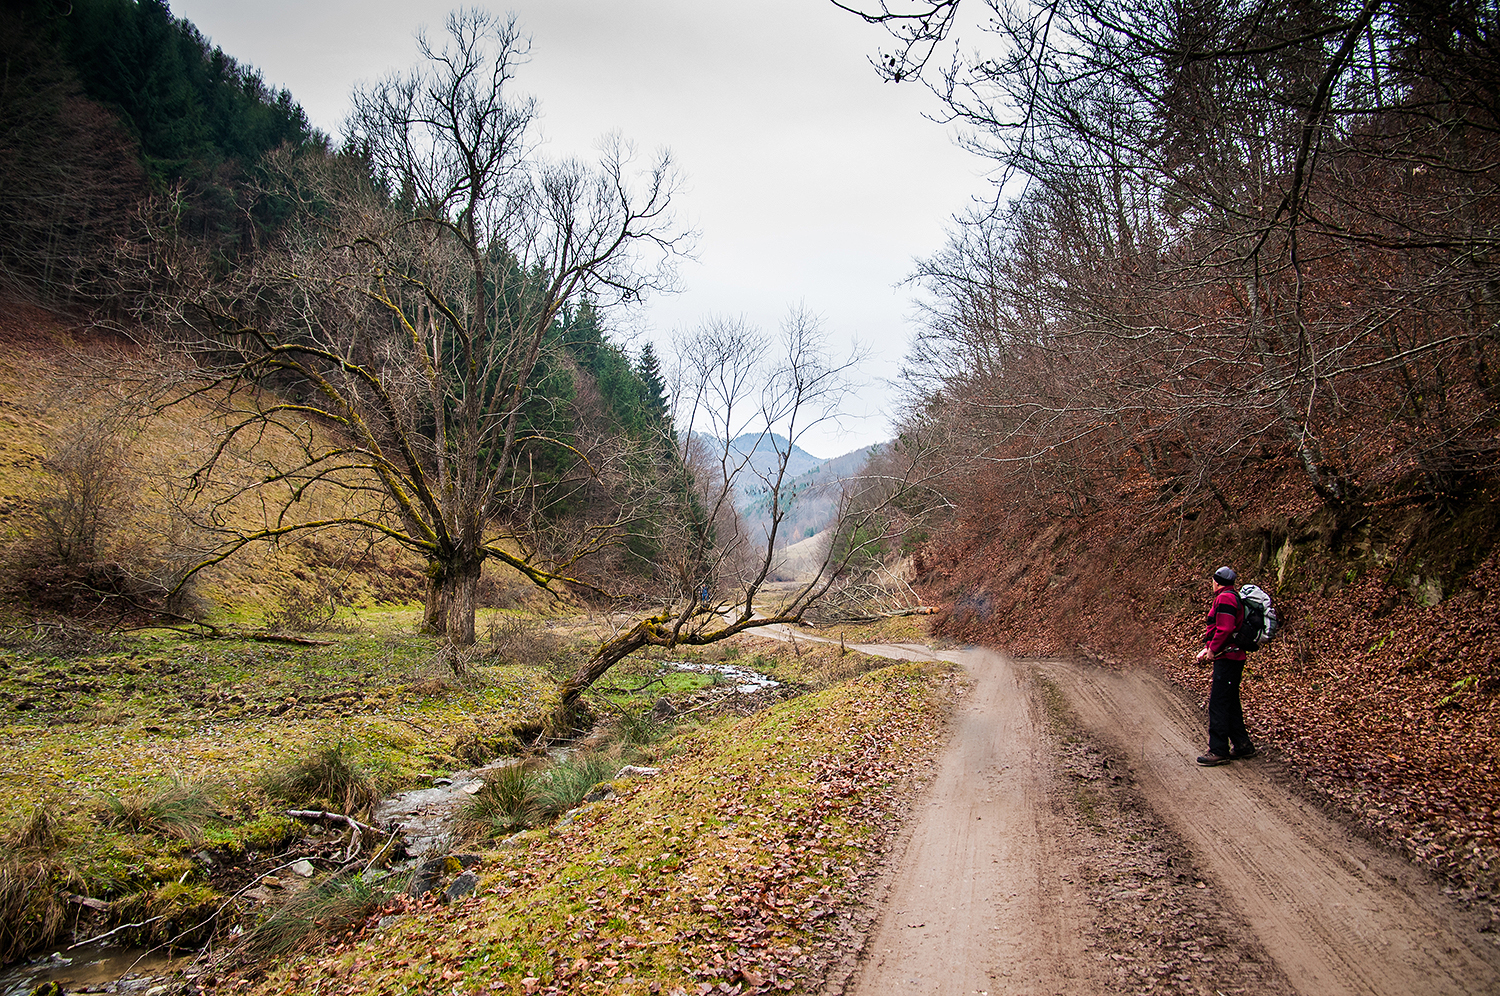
<point x="1226" y="718"/>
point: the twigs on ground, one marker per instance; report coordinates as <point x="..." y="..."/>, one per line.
<point x="355" y="826"/>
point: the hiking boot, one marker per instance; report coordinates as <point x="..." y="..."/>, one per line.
<point x="1241" y="753"/>
<point x="1211" y="759"/>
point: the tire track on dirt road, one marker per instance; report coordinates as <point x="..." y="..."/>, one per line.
<point x="981" y="898"/>
<point x="990" y="892"/>
<point x="1338" y="914"/>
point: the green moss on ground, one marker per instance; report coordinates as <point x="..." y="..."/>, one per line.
<point x="724" y="869"/>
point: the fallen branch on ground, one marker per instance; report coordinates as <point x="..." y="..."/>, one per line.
<point x="836" y="620"/>
<point x="323" y="816"/>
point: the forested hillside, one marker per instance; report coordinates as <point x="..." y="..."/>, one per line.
<point x="105" y="104"/>
<point x="1243" y="310"/>
<point x="151" y="184"/>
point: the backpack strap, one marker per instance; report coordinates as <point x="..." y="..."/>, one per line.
<point x="1238" y="609"/>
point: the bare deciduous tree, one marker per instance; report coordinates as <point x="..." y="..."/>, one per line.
<point x="1241" y="225"/>
<point x="411" y="302"/>
<point x="736" y="388"/>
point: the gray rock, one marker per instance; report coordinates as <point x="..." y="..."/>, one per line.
<point x="462" y="886"/>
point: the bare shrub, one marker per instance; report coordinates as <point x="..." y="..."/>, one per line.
<point x="309" y="608"/>
<point x="525" y="642"/>
<point x="88" y="486"/>
<point x="84" y="549"/>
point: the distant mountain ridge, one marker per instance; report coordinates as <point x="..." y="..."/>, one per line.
<point x="811" y="486"/>
<point x="764" y="453"/>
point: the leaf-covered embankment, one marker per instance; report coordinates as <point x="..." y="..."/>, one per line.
<point x="730" y="867"/>
<point x="1383" y="689"/>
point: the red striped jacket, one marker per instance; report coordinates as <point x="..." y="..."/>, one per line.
<point x="1224" y="617"/>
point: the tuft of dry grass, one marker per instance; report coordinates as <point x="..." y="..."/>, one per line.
<point x="565" y="785"/>
<point x="315" y="915"/>
<point x="173" y="809"/>
<point x="327" y="779"/>
<point x="509" y="802"/>
<point x="43" y="832"/>
<point x="33" y="907"/>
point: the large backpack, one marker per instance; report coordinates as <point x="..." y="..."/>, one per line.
<point x="1260" y="622"/>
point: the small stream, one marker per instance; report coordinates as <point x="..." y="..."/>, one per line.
<point x="747" y="682"/>
<point x="425" y="814"/>
<point x="92" y="969"/>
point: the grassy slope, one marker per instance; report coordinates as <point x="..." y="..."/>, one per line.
<point x="56" y="373"/>
<point x="1386" y="701"/>
<point x="731" y="867"/>
<point x="759" y="830"/>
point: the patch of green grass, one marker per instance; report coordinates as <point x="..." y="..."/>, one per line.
<point x="173" y="915"/>
<point x="266" y="833"/>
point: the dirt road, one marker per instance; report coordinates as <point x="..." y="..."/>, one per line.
<point x="1070" y="844"/>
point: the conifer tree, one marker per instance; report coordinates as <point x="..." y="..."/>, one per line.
<point x="649" y="370"/>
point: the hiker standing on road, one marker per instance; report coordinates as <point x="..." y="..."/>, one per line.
<point x="1226" y="718"/>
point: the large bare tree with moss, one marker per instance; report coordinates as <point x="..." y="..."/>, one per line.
<point x="409" y="306"/>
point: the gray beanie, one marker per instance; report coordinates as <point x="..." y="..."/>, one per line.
<point x="1225" y="575"/>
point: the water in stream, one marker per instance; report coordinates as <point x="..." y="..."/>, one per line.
<point x="92" y="969"/>
<point x="746" y="681"/>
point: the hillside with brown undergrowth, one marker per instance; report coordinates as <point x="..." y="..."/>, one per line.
<point x="66" y="380"/>
<point x="1383" y="687"/>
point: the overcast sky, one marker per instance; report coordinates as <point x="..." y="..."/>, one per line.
<point x="809" y="180"/>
